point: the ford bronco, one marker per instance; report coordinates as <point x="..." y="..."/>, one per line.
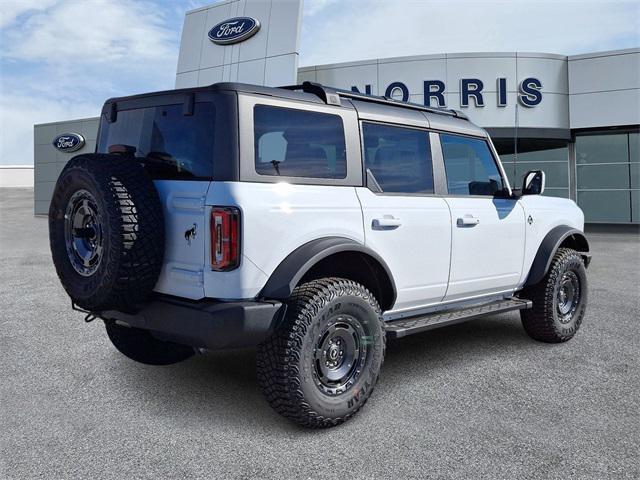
<point x="312" y="223"/>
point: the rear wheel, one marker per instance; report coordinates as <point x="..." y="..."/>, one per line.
<point x="321" y="365"/>
<point x="559" y="300"/>
<point x="141" y="346"/>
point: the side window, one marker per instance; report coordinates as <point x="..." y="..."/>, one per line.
<point x="298" y="143"/>
<point x="399" y="158"/>
<point x="470" y="166"/>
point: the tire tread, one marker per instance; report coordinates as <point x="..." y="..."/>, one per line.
<point x="279" y="355"/>
<point x="135" y="218"/>
<point x="539" y="321"/>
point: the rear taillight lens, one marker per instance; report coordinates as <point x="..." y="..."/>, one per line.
<point x="225" y="238"/>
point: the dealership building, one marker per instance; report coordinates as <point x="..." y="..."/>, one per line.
<point x="575" y="117"/>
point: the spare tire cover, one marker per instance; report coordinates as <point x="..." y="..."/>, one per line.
<point x="106" y="232"/>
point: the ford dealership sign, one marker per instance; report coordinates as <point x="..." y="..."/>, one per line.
<point x="69" y="142"/>
<point x="234" y="30"/>
<point x="470" y="90"/>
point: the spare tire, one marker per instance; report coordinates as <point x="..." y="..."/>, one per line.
<point x="106" y="232"/>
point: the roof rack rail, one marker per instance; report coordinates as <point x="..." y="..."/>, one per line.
<point x="398" y="103"/>
<point x="332" y="96"/>
<point x="327" y="95"/>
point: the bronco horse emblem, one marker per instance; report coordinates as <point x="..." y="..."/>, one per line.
<point x="191" y="233"/>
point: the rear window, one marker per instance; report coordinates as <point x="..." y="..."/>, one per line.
<point x="298" y="143"/>
<point x="170" y="145"/>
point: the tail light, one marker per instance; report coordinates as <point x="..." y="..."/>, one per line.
<point x="225" y="238"/>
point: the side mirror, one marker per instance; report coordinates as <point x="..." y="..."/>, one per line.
<point x="533" y="183"/>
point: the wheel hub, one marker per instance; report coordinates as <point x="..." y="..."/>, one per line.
<point x="334" y="354"/>
<point x="83" y="233"/>
<point x="339" y="355"/>
<point x="568" y="296"/>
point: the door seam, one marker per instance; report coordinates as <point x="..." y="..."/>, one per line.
<point x="450" y="249"/>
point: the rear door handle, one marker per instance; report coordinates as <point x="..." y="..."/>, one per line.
<point x="468" y="221"/>
<point x="385" y="223"/>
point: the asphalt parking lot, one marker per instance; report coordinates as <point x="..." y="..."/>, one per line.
<point x="478" y="400"/>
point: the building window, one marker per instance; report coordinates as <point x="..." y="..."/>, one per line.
<point x="399" y="158"/>
<point x="608" y="176"/>
<point x="550" y="156"/>
<point x="298" y="143"/>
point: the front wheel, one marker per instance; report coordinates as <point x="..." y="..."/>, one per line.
<point x="321" y="365"/>
<point x="559" y="300"/>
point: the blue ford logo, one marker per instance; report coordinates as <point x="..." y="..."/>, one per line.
<point x="234" y="30"/>
<point x="69" y="142"/>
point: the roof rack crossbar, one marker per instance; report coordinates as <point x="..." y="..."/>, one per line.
<point x="332" y="96"/>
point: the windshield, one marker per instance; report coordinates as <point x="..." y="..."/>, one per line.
<point x="170" y="144"/>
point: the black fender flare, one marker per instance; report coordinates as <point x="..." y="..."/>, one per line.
<point x="548" y="248"/>
<point x="291" y="270"/>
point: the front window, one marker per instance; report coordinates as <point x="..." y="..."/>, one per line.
<point x="298" y="143"/>
<point x="170" y="144"/>
<point x="470" y="166"/>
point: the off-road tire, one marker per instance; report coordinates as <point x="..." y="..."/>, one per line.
<point x="544" y="322"/>
<point x="287" y="366"/>
<point x="139" y="345"/>
<point x="128" y="210"/>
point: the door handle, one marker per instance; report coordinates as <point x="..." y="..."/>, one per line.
<point x="468" y="221"/>
<point x="385" y="223"/>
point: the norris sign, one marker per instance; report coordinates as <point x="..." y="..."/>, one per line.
<point x="529" y="92"/>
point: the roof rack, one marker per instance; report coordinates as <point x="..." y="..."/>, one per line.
<point x="331" y="96"/>
<point x="328" y="95"/>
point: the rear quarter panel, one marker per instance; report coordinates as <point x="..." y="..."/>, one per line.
<point x="277" y="218"/>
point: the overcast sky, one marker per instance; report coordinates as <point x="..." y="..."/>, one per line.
<point x="60" y="59"/>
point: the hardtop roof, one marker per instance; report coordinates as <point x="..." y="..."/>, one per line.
<point x="439" y="118"/>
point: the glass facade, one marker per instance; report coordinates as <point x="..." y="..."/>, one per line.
<point x="550" y="156"/>
<point x="608" y="176"/>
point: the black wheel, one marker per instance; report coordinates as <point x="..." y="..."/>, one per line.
<point x="141" y="346"/>
<point x="321" y="365"/>
<point x="559" y="300"/>
<point x="106" y="232"/>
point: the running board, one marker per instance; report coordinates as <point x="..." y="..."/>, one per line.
<point x="422" y="323"/>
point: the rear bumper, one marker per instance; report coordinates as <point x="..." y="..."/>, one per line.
<point x="206" y="323"/>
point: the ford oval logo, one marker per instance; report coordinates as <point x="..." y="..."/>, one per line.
<point x="234" y="30"/>
<point x="69" y="142"/>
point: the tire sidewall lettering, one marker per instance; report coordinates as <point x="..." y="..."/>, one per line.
<point x="358" y="393"/>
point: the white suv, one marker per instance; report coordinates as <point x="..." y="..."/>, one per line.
<point x="312" y="223"/>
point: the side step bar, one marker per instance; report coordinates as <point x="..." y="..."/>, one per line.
<point x="422" y="323"/>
